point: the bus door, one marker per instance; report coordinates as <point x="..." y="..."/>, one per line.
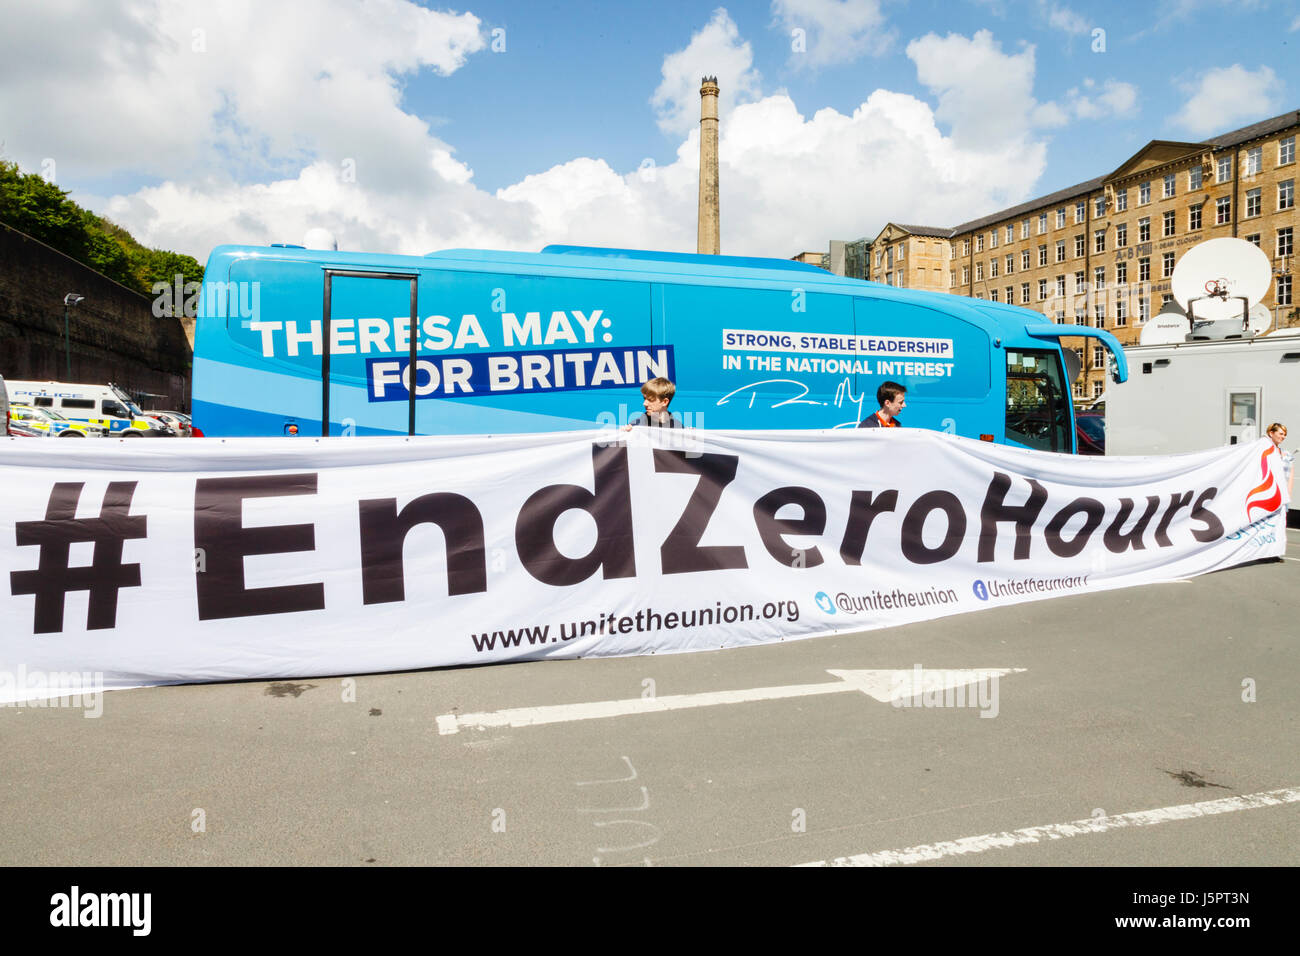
<point x="372" y="330"/>
<point x="1039" y="410"/>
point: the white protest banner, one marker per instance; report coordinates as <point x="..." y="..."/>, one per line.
<point x="216" y="559"/>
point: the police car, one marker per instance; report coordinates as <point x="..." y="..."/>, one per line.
<point x="105" y="406"/>
<point x="51" y="423"/>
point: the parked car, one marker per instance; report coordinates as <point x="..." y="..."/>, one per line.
<point x="179" y="422"/>
<point x="52" y="423"/>
<point x="1090" y="433"/>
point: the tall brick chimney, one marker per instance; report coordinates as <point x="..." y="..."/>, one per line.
<point x="708" y="241"/>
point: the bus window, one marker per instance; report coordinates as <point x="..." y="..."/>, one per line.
<point x="1038" y="404"/>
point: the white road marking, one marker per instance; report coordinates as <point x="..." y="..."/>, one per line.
<point x="1055" y="831"/>
<point x="883" y="685"/>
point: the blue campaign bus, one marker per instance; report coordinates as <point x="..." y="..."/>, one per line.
<point x="509" y="342"/>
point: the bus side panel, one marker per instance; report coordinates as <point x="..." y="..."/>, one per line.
<point x="944" y="362"/>
<point x="756" y="358"/>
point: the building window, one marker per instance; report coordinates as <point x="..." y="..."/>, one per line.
<point x="1286" y="194"/>
<point x="1042" y="288"/>
<point x="1098" y="357"/>
<point x="979" y="272"/>
<point x="1169" y="187"/>
<point x="1144" y="270"/>
<point x="1099" y="241"/>
<point x="1060" y="250"/>
<point x="1098" y="388"/>
<point x="1080" y="282"/>
<point x="1253" y="202"/>
<point x="1099" y="277"/>
<point x="1144" y="193"/>
<point x="1024" y="292"/>
<point x="1286" y="151"/>
<point x="1011" y="294"/>
<point x="1011" y="234"/>
<point x="1254" y="160"/>
<point x="1042" y="255"/>
<point x="1283" y="290"/>
<point x="1144" y="309"/>
<point x="1060" y="218"/>
<point x="1121" y="200"/>
<point x="1286" y="241"/>
<point x="1224" y="169"/>
<point x="1011" y="263"/>
<point x="1121" y="235"/>
<point x="1080" y="246"/>
<point x="1144" y="229"/>
<point x="1099" y="207"/>
<point x="1024" y="229"/>
<point x="979" y="242"/>
<point x="965" y="247"/>
<point x="993" y="239"/>
<point x="1194" y="217"/>
<point x="1167" y="224"/>
<point x="1078" y="389"/>
<point x="1121" y="273"/>
<point x="1166" y="265"/>
<point x="902" y="247"/>
<point x="1222" y="210"/>
<point x="1042" y="223"/>
<point x="1060" y="285"/>
<point x="1253" y="239"/>
<point x="993" y="295"/>
<point x="1024" y="260"/>
<point x="965" y="275"/>
<point x="1060" y="316"/>
<point x="1080" y="211"/>
<point x="952" y="278"/>
<point x="993" y="268"/>
<point x="1194" y="178"/>
<point x="1099" y="315"/>
<point x="1121" y="312"/>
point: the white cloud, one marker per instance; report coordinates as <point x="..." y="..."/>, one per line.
<point x="1295" y="24"/>
<point x="1225" y="96"/>
<point x="832" y="31"/>
<point x="716" y="50"/>
<point x="1063" y="18"/>
<point x="985" y="95"/>
<point x="187" y="88"/>
<point x="1112" y="98"/>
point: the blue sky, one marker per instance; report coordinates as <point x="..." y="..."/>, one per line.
<point x="406" y="127"/>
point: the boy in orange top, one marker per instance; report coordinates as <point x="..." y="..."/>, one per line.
<point x="892" y="399"/>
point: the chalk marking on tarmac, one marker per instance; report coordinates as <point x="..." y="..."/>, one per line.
<point x="927" y="852"/>
<point x="884" y="685"/>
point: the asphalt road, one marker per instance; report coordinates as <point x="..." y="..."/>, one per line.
<point x="1130" y="702"/>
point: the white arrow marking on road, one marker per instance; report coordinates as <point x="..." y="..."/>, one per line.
<point x="929" y="852"/>
<point x="884" y="685"/>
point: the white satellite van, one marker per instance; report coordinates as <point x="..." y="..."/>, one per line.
<point x="104" y="405"/>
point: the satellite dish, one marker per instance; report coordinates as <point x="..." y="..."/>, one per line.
<point x="1261" y="320"/>
<point x="320" y="239"/>
<point x="1213" y="277"/>
<point x="1167" y="327"/>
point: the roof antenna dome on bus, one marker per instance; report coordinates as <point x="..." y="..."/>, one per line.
<point x="318" y="238"/>
<point x="1217" y="282"/>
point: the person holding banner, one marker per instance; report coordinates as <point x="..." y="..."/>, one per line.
<point x="657" y="393"/>
<point x="1277" y="432"/>
<point x="892" y="399"/>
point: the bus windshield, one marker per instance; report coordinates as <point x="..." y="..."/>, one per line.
<point x="1038" y="405"/>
